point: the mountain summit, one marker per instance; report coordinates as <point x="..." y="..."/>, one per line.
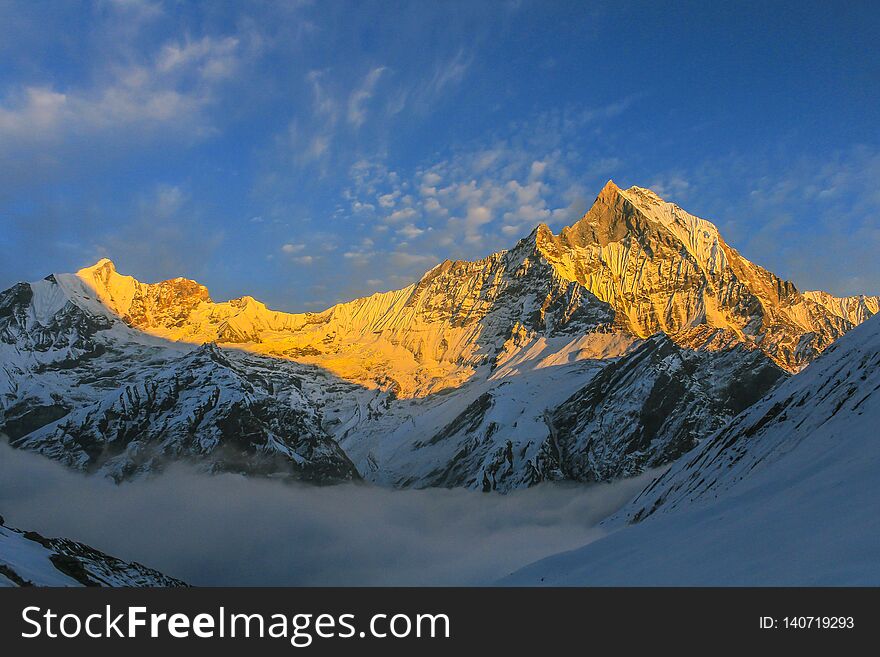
<point x="664" y="270"/>
<point x="609" y="348"/>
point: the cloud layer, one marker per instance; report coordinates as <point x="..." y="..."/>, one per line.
<point x="230" y="530"/>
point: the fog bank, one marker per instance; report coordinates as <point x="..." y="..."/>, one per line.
<point x="232" y="530"/>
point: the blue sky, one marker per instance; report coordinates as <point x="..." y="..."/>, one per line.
<point x="307" y="153"/>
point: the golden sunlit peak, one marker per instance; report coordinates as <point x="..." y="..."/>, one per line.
<point x="610" y="190"/>
<point x="103" y="263"/>
<point x="610" y="185"/>
<point x="247" y="300"/>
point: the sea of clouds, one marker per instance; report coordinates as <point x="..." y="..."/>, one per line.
<point x="232" y="530"/>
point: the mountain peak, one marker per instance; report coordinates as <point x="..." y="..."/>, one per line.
<point x="144" y="305"/>
<point x="103" y="265"/>
<point x="248" y="303"/>
<point x="609" y="190"/>
<point x="540" y="232"/>
<point x="106" y="283"/>
<point x="665" y="270"/>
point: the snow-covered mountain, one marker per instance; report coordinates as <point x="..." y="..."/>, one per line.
<point x="235" y="415"/>
<point x="654" y="405"/>
<point x="633" y="263"/>
<point x="784" y="494"/>
<point x="28" y="559"/>
<point x="82" y="386"/>
<point x="829" y="412"/>
<point x="429" y="336"/>
<point x="614" y="346"/>
<point x="663" y="269"/>
<point x="853" y="309"/>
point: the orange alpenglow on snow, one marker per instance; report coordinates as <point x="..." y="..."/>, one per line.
<point x="633" y="266"/>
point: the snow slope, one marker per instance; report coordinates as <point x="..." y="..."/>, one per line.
<point x="786" y="494"/>
<point x="28" y="559"/>
<point x="226" y="413"/>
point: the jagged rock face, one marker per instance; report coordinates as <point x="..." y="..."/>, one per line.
<point x="665" y="270"/>
<point x="55" y="323"/>
<point x="822" y="418"/>
<point x="853" y="309"/>
<point x="146" y="306"/>
<point x="426" y="337"/>
<point x="506" y="290"/>
<point x="203" y="409"/>
<point x="166" y="303"/>
<point x="637" y="411"/>
<point x="648" y="408"/>
<point x="462" y="313"/>
<point x="29" y="559"/>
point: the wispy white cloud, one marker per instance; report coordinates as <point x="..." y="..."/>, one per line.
<point x="310" y="139"/>
<point x="423" y="94"/>
<point x="432" y="178"/>
<point x="406" y="260"/>
<point x="211" y="57"/>
<point x="325" y="106"/>
<point x="389" y="200"/>
<point x="450" y="72"/>
<point x="357" y="112"/>
<point x="169" y="89"/>
<point x="670" y="186"/>
<point x="168" y="200"/>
